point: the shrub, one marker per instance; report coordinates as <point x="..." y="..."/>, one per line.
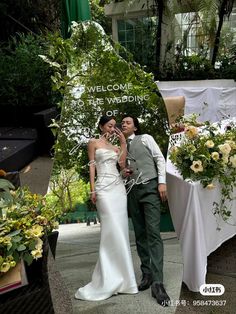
<point x="24" y="78"/>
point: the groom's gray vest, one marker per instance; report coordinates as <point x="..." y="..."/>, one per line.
<point x="141" y="160"/>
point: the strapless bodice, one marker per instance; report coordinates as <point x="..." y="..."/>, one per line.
<point x="108" y="176"/>
<point x="106" y="161"/>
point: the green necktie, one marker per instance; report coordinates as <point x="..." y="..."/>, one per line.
<point x="129" y="140"/>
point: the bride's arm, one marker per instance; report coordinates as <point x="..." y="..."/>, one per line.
<point x="92" y="169"/>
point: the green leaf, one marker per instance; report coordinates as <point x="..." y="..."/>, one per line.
<point x="32" y="245"/>
<point x="21" y="247"/>
<point x="6" y="185"/>
<point x="9" y="246"/>
<point x="3" y="224"/>
<point x="16" y="256"/>
<point x="14" y="233"/>
<point x="28" y="258"/>
<point x="16" y="239"/>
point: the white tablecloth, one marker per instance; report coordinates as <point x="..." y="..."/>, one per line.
<point x="196" y="226"/>
<point x="212" y="103"/>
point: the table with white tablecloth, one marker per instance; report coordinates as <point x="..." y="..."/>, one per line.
<point x="199" y="231"/>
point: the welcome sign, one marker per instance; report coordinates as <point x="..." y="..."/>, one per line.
<point x="115" y="100"/>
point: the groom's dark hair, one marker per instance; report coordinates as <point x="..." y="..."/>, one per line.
<point x="136" y="123"/>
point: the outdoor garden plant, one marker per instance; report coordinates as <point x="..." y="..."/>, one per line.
<point x="25" y="220"/>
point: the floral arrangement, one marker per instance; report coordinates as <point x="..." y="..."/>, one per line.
<point x="208" y="155"/>
<point x="182" y="122"/>
<point x="25" y="219"/>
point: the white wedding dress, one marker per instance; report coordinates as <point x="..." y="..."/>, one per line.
<point x="114" y="272"/>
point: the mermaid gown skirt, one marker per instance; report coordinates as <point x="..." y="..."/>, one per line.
<point x="114" y="272"/>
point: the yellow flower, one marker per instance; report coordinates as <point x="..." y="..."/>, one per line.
<point x="12" y="263"/>
<point x="35" y="196"/>
<point x="5" y="240"/>
<point x="232" y="160"/>
<point x="209" y="144"/>
<point x="174" y="149"/>
<point x="12" y="208"/>
<point x="35" y="232"/>
<point x="42" y="220"/>
<point x="215" y="156"/>
<point x="225" y="149"/>
<point x="36" y="253"/>
<point x="197" y="166"/>
<point x="39" y="244"/>
<point x="9" y="258"/>
<point x="210" y="186"/>
<point x="55" y="224"/>
<point x="5" y="267"/>
<point x="191" y="132"/>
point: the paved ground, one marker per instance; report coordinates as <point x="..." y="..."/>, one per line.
<point x="37" y="174"/>
<point x="77" y="252"/>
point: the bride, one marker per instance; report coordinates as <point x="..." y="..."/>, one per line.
<point x="114" y="271"/>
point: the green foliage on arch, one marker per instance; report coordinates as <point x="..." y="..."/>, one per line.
<point x="94" y="79"/>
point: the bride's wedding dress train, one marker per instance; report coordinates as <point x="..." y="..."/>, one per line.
<point x="114" y="271"/>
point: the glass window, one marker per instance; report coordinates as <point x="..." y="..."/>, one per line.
<point x="138" y="35"/>
<point x="194" y="36"/>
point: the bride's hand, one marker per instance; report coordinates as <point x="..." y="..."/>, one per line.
<point x="93" y="197"/>
<point x="120" y="136"/>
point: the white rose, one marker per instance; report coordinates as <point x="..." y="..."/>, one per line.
<point x="225" y="149"/>
<point x="209" y="144"/>
<point x="215" y="155"/>
<point x="231" y="143"/>
<point x="197" y="166"/>
<point x="232" y="160"/>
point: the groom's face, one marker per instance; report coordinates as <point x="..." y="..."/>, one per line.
<point x="128" y="127"/>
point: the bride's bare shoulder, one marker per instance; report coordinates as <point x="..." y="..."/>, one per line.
<point x="92" y="142"/>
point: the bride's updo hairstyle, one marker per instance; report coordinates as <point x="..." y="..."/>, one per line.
<point x="103" y="120"/>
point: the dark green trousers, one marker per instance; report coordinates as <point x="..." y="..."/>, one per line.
<point x="144" y="208"/>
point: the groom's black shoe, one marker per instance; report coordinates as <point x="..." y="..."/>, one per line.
<point x="145" y="282"/>
<point x="159" y="293"/>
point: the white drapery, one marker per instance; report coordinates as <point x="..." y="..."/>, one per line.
<point x="213" y="103"/>
<point x="196" y="227"/>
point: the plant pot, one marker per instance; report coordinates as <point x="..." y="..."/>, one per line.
<point x="52" y="241"/>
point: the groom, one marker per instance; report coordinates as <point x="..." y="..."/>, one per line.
<point x="148" y="172"/>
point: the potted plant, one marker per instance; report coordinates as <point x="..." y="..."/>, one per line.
<point x="26" y="220"/>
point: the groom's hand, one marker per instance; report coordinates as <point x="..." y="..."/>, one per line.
<point x="162" y="191"/>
